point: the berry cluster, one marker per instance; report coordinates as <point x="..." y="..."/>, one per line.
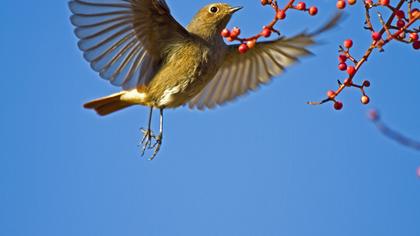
<point x="344" y="59"/>
<point x="341" y="4"/>
<point x="268" y="30"/>
<point x="398" y="27"/>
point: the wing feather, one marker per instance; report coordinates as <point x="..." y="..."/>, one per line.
<point x="125" y="40"/>
<point x="242" y="73"/>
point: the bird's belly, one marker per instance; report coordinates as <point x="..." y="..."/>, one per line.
<point x="188" y="77"/>
<point x="180" y="94"/>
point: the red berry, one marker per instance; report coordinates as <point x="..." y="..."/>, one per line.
<point x="266" y="32"/>
<point x="351" y="70"/>
<point x="416" y="45"/>
<point x="351" y="2"/>
<point x="366" y="83"/>
<point x="414" y="36"/>
<point x="365" y="100"/>
<point x="368" y="2"/>
<point x="341" y="4"/>
<point x="264" y="2"/>
<point x="243" y="48"/>
<point x="384" y="2"/>
<point x="225" y="33"/>
<point x="313" y="11"/>
<point x="235" y="32"/>
<point x="331" y="94"/>
<point x="376" y="36"/>
<point x="338" y="105"/>
<point x="301" y="6"/>
<point x="400" y="23"/>
<point x="348" y="43"/>
<point x="342" y="58"/>
<point x="281" y="14"/>
<point x="251" y="43"/>
<point x="342" y="66"/>
<point x="400" y="14"/>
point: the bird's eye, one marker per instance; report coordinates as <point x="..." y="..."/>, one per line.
<point x="214" y="9"/>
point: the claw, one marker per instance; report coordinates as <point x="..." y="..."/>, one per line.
<point x="148" y="136"/>
<point x="156" y="146"/>
<point x="144" y="131"/>
<point x="146" y="140"/>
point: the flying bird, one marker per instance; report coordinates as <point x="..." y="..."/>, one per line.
<point x="139" y="46"/>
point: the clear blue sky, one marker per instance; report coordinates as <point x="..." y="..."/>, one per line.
<point x="265" y="165"/>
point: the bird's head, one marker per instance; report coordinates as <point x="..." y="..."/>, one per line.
<point x="212" y="19"/>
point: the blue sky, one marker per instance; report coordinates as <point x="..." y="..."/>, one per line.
<point x="267" y="164"/>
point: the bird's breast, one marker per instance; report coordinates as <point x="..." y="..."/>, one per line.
<point x="185" y="73"/>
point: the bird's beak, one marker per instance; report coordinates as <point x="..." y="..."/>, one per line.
<point x="234" y="9"/>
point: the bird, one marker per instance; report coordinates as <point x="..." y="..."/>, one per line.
<point x="138" y="45"/>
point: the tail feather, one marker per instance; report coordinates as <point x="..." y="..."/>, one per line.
<point x="107" y="105"/>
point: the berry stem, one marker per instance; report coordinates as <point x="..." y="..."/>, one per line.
<point x="377" y="42"/>
<point x="280" y="14"/>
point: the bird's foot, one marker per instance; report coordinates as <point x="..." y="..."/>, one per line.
<point x="156" y="146"/>
<point x="147" y="142"/>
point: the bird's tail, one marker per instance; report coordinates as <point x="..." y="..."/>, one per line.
<point x="109" y="104"/>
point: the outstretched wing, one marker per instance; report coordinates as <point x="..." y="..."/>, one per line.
<point x="241" y="73"/>
<point x="125" y="40"/>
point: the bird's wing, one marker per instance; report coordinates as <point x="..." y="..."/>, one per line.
<point x="241" y="73"/>
<point x="125" y="40"/>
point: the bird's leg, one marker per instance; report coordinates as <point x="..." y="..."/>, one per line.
<point x="158" y="138"/>
<point x="147" y="134"/>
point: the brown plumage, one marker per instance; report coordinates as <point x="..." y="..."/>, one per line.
<point x="139" y="46"/>
<point x="107" y="105"/>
